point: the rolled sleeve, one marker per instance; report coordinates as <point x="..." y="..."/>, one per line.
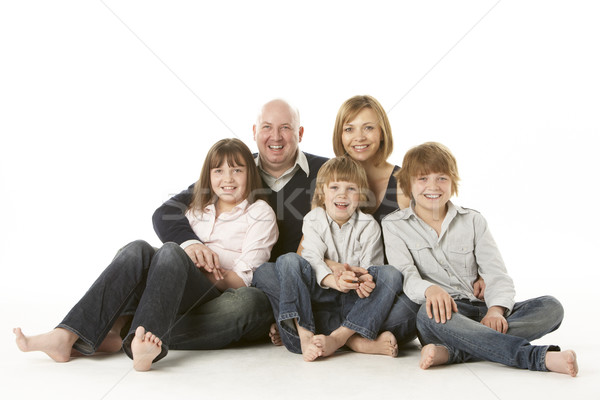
<point x="500" y="290"/>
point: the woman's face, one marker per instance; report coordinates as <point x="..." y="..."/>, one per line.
<point x="361" y="137"/>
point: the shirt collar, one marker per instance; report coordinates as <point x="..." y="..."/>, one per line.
<point x="301" y="162"/>
<point x="211" y="209"/>
<point x="452" y="210"/>
<point x="352" y="221"/>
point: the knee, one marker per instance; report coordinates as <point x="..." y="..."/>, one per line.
<point x="263" y="275"/>
<point x="137" y="250"/>
<point x="290" y="262"/>
<point x="388" y="276"/>
<point x="554" y="309"/>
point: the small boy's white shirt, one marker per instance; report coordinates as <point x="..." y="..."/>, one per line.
<point x="464" y="248"/>
<point x="357" y="242"/>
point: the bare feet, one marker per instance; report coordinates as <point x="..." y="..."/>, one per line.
<point x="274" y="335"/>
<point x="310" y="351"/>
<point x="385" y="344"/>
<point x="432" y="355"/>
<point x="56" y="344"/>
<point x="328" y="344"/>
<point x="144" y="347"/>
<point x="564" y="362"/>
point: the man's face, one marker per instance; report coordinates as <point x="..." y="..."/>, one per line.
<point x="277" y="134"/>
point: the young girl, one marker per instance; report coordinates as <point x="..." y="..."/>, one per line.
<point x="159" y="288"/>
<point x="440" y="248"/>
<point x="340" y="303"/>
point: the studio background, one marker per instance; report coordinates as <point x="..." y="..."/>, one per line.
<point x="108" y="108"/>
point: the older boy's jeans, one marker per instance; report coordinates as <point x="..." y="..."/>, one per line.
<point x="294" y="293"/>
<point x="176" y="302"/>
<point x="467" y="339"/>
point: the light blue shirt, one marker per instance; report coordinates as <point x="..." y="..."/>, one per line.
<point x="464" y="248"/>
<point x="357" y="242"/>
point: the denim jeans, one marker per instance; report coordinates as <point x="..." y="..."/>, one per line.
<point x="467" y="339"/>
<point x="291" y="287"/>
<point x="172" y="299"/>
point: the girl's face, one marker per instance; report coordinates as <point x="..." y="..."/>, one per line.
<point x="431" y="193"/>
<point x="362" y="136"/>
<point x="229" y="184"/>
<point x="341" y="200"/>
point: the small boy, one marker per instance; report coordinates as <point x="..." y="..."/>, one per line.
<point x="440" y="248"/>
<point x="341" y="303"/>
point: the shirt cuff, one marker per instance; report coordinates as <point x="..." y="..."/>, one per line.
<point x="189" y="243"/>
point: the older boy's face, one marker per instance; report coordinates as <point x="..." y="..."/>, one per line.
<point x="341" y="200"/>
<point x="431" y="193"/>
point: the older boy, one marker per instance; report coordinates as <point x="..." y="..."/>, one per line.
<point x="440" y="248"/>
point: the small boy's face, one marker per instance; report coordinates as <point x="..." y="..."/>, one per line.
<point x="431" y="192"/>
<point x="341" y="200"/>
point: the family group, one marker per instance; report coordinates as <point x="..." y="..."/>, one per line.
<point x="316" y="254"/>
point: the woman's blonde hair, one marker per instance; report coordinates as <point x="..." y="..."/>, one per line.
<point x="348" y="111"/>
<point x="235" y="152"/>
<point x="427" y="158"/>
<point x="342" y="169"/>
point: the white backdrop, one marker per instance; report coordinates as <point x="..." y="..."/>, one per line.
<point x="107" y="109"/>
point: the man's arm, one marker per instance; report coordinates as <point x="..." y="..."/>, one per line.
<point x="169" y="221"/>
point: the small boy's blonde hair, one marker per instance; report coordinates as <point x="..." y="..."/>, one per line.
<point x="430" y="157"/>
<point x="341" y="169"/>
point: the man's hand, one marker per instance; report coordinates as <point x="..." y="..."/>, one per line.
<point x="203" y="257"/>
<point x="439" y="304"/>
<point x="494" y="318"/>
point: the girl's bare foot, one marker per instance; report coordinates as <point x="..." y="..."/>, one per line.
<point x="310" y="351"/>
<point x="144" y="347"/>
<point x="564" y="362"/>
<point x="432" y="355"/>
<point x="56" y="344"/>
<point x="385" y="344"/>
<point x="274" y="335"/>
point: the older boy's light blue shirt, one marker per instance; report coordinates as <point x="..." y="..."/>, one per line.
<point x="464" y="248"/>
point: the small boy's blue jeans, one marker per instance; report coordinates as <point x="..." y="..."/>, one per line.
<point x="321" y="311"/>
<point x="467" y="339"/>
<point x="169" y="296"/>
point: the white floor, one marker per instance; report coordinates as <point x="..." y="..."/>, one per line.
<point x="265" y="371"/>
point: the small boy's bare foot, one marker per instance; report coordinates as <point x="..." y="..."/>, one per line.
<point x="328" y="344"/>
<point x="274" y="335"/>
<point x="564" y="362"/>
<point x="385" y="344"/>
<point x="310" y="351"/>
<point x="56" y="344"/>
<point x="432" y="355"/>
<point x="144" y="347"/>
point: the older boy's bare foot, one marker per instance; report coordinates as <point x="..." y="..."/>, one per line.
<point x="56" y="344"/>
<point x="328" y="344"/>
<point x="385" y="344"/>
<point x="144" y="347"/>
<point x="432" y="355"/>
<point x="564" y="362"/>
<point x="274" y="335"/>
<point x="310" y="351"/>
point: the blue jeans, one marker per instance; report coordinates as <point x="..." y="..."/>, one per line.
<point x="467" y="339"/>
<point x="294" y="293"/>
<point x="172" y="298"/>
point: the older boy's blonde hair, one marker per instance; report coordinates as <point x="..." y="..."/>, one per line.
<point x="348" y="111"/>
<point x="430" y="157"/>
<point x="340" y="169"/>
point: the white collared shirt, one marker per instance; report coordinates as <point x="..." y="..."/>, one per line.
<point x="242" y="238"/>
<point x="276" y="184"/>
<point x="452" y="260"/>
<point x="357" y="242"/>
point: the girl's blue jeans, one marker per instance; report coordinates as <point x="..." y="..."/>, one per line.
<point x="169" y="296"/>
